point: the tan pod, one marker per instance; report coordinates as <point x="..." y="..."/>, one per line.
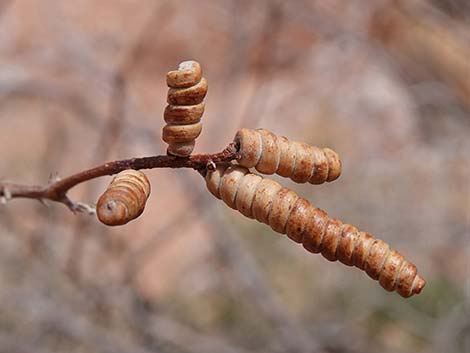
<point x="185" y="108"/>
<point x="269" y="153"/>
<point x="124" y="199"/>
<point x="287" y="213"/>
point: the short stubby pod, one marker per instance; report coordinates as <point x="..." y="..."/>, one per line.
<point x="285" y="212"/>
<point x="124" y="199"/>
<point x="270" y="153"/>
<point x="185" y="108"/>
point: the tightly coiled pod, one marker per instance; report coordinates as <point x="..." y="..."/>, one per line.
<point x="270" y="153"/>
<point x="185" y="108"/>
<point x="124" y="199"/>
<point x="285" y="212"/>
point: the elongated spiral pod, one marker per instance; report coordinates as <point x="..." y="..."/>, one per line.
<point x="285" y="212"/>
<point x="270" y="153"/>
<point x="185" y="108"/>
<point x="124" y="199"/>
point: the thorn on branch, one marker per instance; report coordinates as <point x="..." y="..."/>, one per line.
<point x="6" y="196"/>
<point x="44" y="202"/>
<point x="53" y="178"/>
<point x="211" y="166"/>
<point x="78" y="207"/>
<point x="85" y="208"/>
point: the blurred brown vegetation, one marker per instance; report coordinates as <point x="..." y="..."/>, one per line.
<point x="384" y="83"/>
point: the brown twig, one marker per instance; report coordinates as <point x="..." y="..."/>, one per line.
<point x="57" y="190"/>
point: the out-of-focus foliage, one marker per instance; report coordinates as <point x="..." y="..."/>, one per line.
<point x="385" y="83"/>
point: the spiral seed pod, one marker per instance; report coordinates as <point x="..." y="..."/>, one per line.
<point x="124" y="199"/>
<point x="302" y="163"/>
<point x="285" y="212"/>
<point x="185" y="108"/>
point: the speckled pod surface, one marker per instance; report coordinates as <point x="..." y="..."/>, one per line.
<point x="285" y="212"/>
<point x="270" y="153"/>
<point x="185" y="108"/>
<point x="124" y="199"/>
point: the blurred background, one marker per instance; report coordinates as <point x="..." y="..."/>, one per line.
<point x="384" y="83"/>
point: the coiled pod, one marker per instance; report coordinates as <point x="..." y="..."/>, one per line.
<point x="124" y="199"/>
<point x="185" y="108"/>
<point x="285" y="212"/>
<point x="302" y="163"/>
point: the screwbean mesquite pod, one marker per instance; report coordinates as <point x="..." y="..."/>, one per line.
<point x="269" y="153"/>
<point x="124" y="199"/>
<point x="185" y="108"/>
<point x="287" y="213"/>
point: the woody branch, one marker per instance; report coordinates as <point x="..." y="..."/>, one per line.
<point x="57" y="190"/>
